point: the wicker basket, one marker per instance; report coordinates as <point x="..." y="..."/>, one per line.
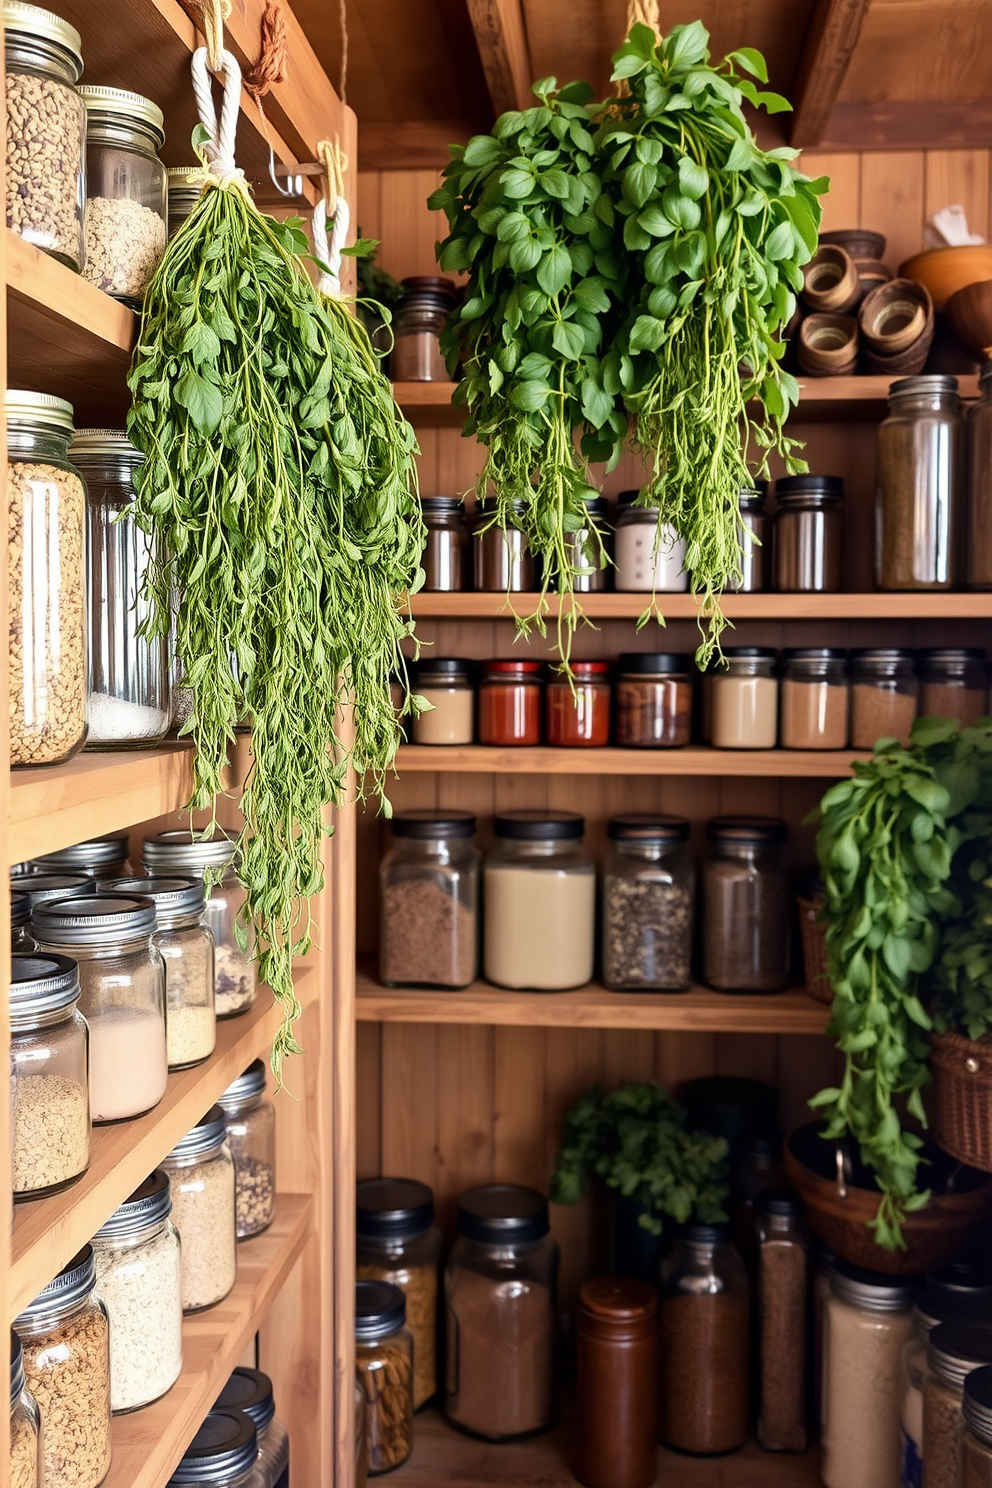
<point x="960" y="1101"/>
<point x="814" y="934"/>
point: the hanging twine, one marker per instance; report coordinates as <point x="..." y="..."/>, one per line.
<point x="343" y="13"/>
<point x="215" y="13"/>
<point x="643" y="13"/>
<point x="271" y="65"/>
<point x="221" y="168"/>
<point x="332" y="206"/>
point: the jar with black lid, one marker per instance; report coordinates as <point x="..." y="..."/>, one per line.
<point x="744" y="699"/>
<point x="649" y="890"/>
<point x="399" y="1242"/>
<point x="954" y="683"/>
<point x="445" y="682"/>
<point x="815" y="698"/>
<point x="747" y="905"/>
<point x="963" y="1295"/>
<point x="653" y="700"/>
<point x="809" y="534"/>
<point x="384" y="1358"/>
<point x="49" y="1063"/>
<point x="755" y="540"/>
<point x="26" y="1459"/>
<point x="502" y="561"/>
<point x="250" y="1391"/>
<point x="443" y="559"/>
<point x="539" y="929"/>
<point x="885" y="694"/>
<point x="429" y="901"/>
<point x="919" y="506"/>
<point x="423" y="312"/>
<point x="954" y="1349"/>
<point x="222" y="1454"/>
<point x="976" y="1439"/>
<point x="616" y="1383"/>
<point x="99" y="858"/>
<point x="588" y="553"/>
<point x="978" y="526"/>
<point x="21" y="938"/>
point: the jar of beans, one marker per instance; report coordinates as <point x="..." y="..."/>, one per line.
<point x="653" y="700"/>
<point x="510" y="702"/>
<point x="954" y="683"/>
<point x="399" y="1242"/>
<point x="976" y="1440"/>
<point x="48" y="1074"/>
<point x="577" y="709"/>
<point x="250" y="1120"/>
<point x="26" y="1458"/>
<point x="747" y="905"/>
<point x="125" y="192"/>
<point x="384" y="1358"/>
<point x="429" y="901"/>
<point x="884" y="696"/>
<point x="649" y="890"/>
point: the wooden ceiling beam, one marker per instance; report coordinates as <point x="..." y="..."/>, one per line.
<point x="831" y="36"/>
<point x="501" y="37"/>
<point x="419" y="144"/>
<point x="910" y="124"/>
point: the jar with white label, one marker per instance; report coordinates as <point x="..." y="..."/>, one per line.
<point x="649" y="558"/>
<point x="539" y="890"/>
<point x="744" y="694"/>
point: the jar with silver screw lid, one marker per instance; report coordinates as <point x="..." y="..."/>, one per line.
<point x="251" y="1136"/>
<point x="976" y="1439"/>
<point x="201" y="1172"/>
<point x="919" y="504"/>
<point x="21" y="938"/>
<point x="125" y="192"/>
<point x="26" y="1460"/>
<point x="954" y="1349"/>
<point x="37" y="888"/>
<point x="250" y="1391"/>
<point x="182" y="195"/>
<point x="50" y="1115"/>
<point x="99" y="858"/>
<point x="588" y="547"/>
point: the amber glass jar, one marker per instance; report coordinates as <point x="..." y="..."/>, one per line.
<point x="510" y="702"/>
<point x="921" y="486"/>
<point x="579" y="718"/>
<point x="384" y="1359"/>
<point x="954" y="683"/>
<point x="654" y="700"/>
<point x="616" y="1384"/>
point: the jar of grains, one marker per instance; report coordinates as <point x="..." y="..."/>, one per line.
<point x="187" y="949"/>
<point x="502" y="561"/>
<point x="122" y="981"/>
<point x="953" y="1351"/>
<point x="65" y="1337"/>
<point x="587" y="548"/>
<point x="540" y="898"/>
<point x="48" y="1062"/>
<point x="499" y="1293"/>
<point x="445" y="682"/>
<point x="443" y="559"/>
<point x="747" y="905"/>
<point x="976" y="1439"/>
<point x="429" y="901"/>
<point x="222" y="1454"/>
<point x="398" y="1242"/>
<point x="384" y="1358"/>
<point x="177" y="851"/>
<point x="919" y="507"/>
<point x="704" y="1388"/>
<point x="21" y="939"/>
<point x="815" y="698"/>
<point x="649" y="554"/>
<point x="46" y="130"/>
<point x="935" y="1304"/>
<point x="649" y="890"/>
<point x="100" y="858"/>
<point x="954" y="683"/>
<point x="577" y="711"/>
<point x="653" y="700"/>
<point x="755" y="540"/>
<point x="250" y="1391"/>
<point x="782" y="1284"/>
<point x="138" y="1276"/>
<point x="251" y="1137"/>
<point x="201" y="1171"/>
<point x="125" y="192"/>
<point x="510" y="702"/>
<point x="26" y="1458"/>
<point x="46" y="536"/>
<point x="422" y="314"/>
<point x="616" y="1383"/>
<point x="361" y="1424"/>
<point x="809" y="534"/>
<point x="867" y="1322"/>
<point x="182" y="195"/>
<point x="884" y="696"/>
<point x="978" y="526"/>
<point x="130" y="684"/>
<point x="745" y="699"/>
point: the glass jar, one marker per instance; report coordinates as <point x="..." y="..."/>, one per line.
<point x="782" y="1279"/>
<point x="587" y="548"/>
<point x="649" y="891"/>
<point x="187" y="949"/>
<point x="122" y="981"/>
<point x="540" y="897"/>
<point x="251" y="1137"/>
<point x="499" y="1298"/>
<point x="581" y="718"/>
<point x="867" y="1322"/>
<point x="443" y="558"/>
<point x="824" y="1261"/>
<point x="65" y="1338"/>
<point x="399" y="1242"/>
<point x="46" y="537"/>
<point x="747" y="905"/>
<point x="446" y="683"/>
<point x="978" y="527"/>
<point x="125" y="192"/>
<point x="130" y="704"/>
<point x="510" y="702"/>
<point x="421" y="317"/>
<point x="222" y="1454"/>
<point x="176" y="851"/>
<point x="181" y="194"/>
<point x="37" y="888"/>
<point x="384" y="1358"/>
<point x="50" y="1115"/>
<point x="919" y="507"/>
<point x="653" y="700"/>
<point x="809" y="534"/>
<point x="745" y="699"/>
<point x="953" y="1351"/>
<point x="250" y="1391"/>
<point x="26" y="1457"/>
<point x="429" y="901"/>
<point x="201" y="1171"/>
<point x="937" y="1303"/>
<point x="758" y="1167"/>
<point x="21" y="939"/>
<point x="650" y="555"/>
<point x="616" y="1384"/>
<point x="502" y="562"/>
<point x="704" y="1387"/>
<point x="98" y="859"/>
<point x="815" y="698"/>
<point x="138" y="1271"/>
<point x="46" y="131"/>
<point x="884" y="696"/>
<point x="361" y="1430"/>
<point x="976" y="1439"/>
<point x="755" y="540"/>
<point x="954" y="683"/>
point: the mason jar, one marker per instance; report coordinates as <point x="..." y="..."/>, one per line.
<point x="649" y="891"/>
<point x="21" y="938"/>
<point x="747" y="905"/>
<point x="98" y="859"/>
<point x="782" y="1304"/>
<point x="444" y="554"/>
<point x="398" y="1241"/>
<point x="978" y="523"/>
<point x="919" y="507"/>
<point x="976" y="1439"/>
<point x="27" y="1463"/>
<point x="429" y="908"/>
<point x="540" y="895"/>
<point x="587" y="548"/>
<point x="744" y="695"/>
<point x="122" y="981"/>
<point x="885" y="694"/>
<point x="46" y="131"/>
<point x="755" y="540"/>
<point x="37" y="888"/>
<point x="816" y="698"/>
<point x="46" y="582"/>
<point x="50" y="1117"/>
<point x="446" y="683"/>
<point x="965" y="1299"/>
<point x="250" y="1391"/>
<point x="954" y="683"/>
<point x="201" y="1172"/>
<point x="222" y="1454"/>
<point x="250" y="1120"/>
<point x="130" y="685"/>
<point x="649" y="554"/>
<point x="953" y="1351"/>
<point x="361" y="1426"/>
<point x="182" y="195"/>
<point x="502" y="561"/>
<point x="125" y="192"/>
<point x="809" y="534"/>
<point x="384" y="1359"/>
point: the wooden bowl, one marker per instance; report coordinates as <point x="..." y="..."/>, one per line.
<point x="935" y="1236"/>
<point x="946" y="270"/>
<point x="895" y="316"/>
<point x="830" y="281"/>
<point x="827" y="345"/>
<point x="858" y="241"/>
<point x="969" y="313"/>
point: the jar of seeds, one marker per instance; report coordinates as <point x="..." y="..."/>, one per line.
<point x="649" y="889"/>
<point x="397" y="1241"/>
<point x="384" y="1358"/>
<point x="201" y="1171"/>
<point x="46" y="129"/>
<point x="48" y="1073"/>
<point x="251" y="1137"/>
<point x="125" y="192"/>
<point x="26" y="1462"/>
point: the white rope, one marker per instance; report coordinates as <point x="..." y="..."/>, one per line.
<point x="330" y="254"/>
<point x="220" y="147"/>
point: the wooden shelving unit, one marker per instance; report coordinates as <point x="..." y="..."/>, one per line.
<point x="482" y="759"/>
<point x="770" y="606"/>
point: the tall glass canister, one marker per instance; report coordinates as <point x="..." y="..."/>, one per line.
<point x="919" y="506"/>
<point x="978" y="527"/>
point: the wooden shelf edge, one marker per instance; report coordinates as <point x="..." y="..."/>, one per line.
<point x="770" y="606"/>
<point x="693" y="760"/>
<point x="53" y="290"/>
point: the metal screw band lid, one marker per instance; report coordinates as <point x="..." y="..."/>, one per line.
<point x="20" y="909"/>
<point x="380" y="1308"/>
<point x="72" y="1286"/>
<point x="225" y="1446"/>
<point x="871" y="1289"/>
<point x="37" y="888"/>
<point x="95" y="444"/>
<point x="245" y="1087"/>
<point x="977" y="1404"/>
<point x="98" y="852"/>
<point x="393" y="1208"/>
<point x="249" y="1390"/>
<point x="41" y="983"/>
<point x="207" y="1136"/>
<point x="174" y="898"/>
<point x="150" y="1204"/>
<point x="118" y="103"/>
<point x="955" y="1349"/>
<point x="179" y="851"/>
<point x="93" y="920"/>
<point x="31" y="20"/>
<point x="37" y="408"/>
<point x="17" y="1381"/>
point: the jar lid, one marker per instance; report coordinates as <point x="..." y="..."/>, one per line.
<point x="20" y="909"/>
<point x="30" y="20"/>
<point x="441" y="505"/>
<point x="246" y="1087"/>
<point x="746" y="829"/>
<point x="41" y="983"/>
<point x="206" y="1136"/>
<point x="179" y="849"/>
<point x="540" y="826"/>
<point x="780" y="1201"/>
<point x="73" y="1284"/>
<point x="37" y="408"/>
<point x="913" y="387"/>
<point x="936" y="1305"/>
<point x="791" y="486"/>
<point x="174" y="898"/>
<point x="425" y="824"/>
<point x="962" y="1276"/>
<point x="653" y="663"/>
<point x="754" y="495"/>
<point x="636" y="826"/>
<point x="98" y="852"/>
<point x="150" y="1204"/>
<point x="956" y="1348"/>
<point x="393" y="1208"/>
<point x="881" y="658"/>
<point x="705" y="1234"/>
<point x="17" y="1381"/>
<point x="951" y="655"/>
<point x="89" y="921"/>
<point x="95" y="443"/>
<point x="517" y="668"/>
<point x="37" y="887"/>
<point x="118" y="103"/>
<point x="627" y="499"/>
<point x="618" y="1299"/>
<point x="486" y="507"/>
<point x="872" y="1289"/>
<point x="815" y="653"/>
<point x="749" y="653"/>
<point x="248" y="1390"/>
<point x="435" y="284"/>
<point x="584" y="669"/>
<point x="977" y="1404"/>
<point x="502" y="1214"/>
<point x="444" y="666"/>
<point x="380" y="1308"/>
<point x="225" y="1445"/>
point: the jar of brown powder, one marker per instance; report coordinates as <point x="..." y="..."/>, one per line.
<point x="747" y="905"/>
<point x="919" y="506"/>
<point x="809" y="534"/>
<point x="976" y="1440"/>
<point x="654" y="700"/>
<point x="384" y="1359"/>
<point x="954" y="683"/>
<point x="953" y="1351"/>
<point x="815" y="698"/>
<point x="884" y="696"/>
<point x="399" y="1242"/>
<point x="616" y="1384"/>
<point x="429" y="901"/>
<point x="782" y="1276"/>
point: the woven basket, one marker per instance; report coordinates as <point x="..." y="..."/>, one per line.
<point x="814" y="934"/>
<point x="960" y="1101"/>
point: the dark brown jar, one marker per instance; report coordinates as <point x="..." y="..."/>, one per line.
<point x="616" y="1386"/>
<point x="954" y="683"/>
<point x="653" y="700"/>
<point x="444" y="551"/>
<point x="809" y="534"/>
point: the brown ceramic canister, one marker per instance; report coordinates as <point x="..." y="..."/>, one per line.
<point x="617" y="1384"/>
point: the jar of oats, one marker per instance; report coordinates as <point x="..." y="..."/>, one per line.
<point x="26" y="1465"/>
<point x="201" y="1171"/>
<point x="46" y="129"/>
<point x="125" y="192"/>
<point x="251" y="1136"/>
<point x="48" y="1074"/>
<point x="46" y="527"/>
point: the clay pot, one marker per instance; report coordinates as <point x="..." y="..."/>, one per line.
<point x="895" y="316"/>
<point x="827" y="345"/>
<point x="857" y="241"/>
<point x="830" y="282"/>
<point x="946" y="270"/>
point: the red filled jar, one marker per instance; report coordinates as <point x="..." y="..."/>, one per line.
<point x="579" y="718"/>
<point x="510" y="702"/>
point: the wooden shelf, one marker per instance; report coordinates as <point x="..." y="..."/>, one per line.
<point x="909" y="606"/>
<point x="148" y="1443"/>
<point x="696" y="760"/>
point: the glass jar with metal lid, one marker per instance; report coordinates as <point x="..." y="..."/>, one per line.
<point x="422" y="314"/>
<point x="130" y="686"/>
<point x="649" y="555"/>
<point x="138" y="1276"/>
<point x="446" y="683"/>
<point x="976" y="1439"/>
<point x="27" y="1463"/>
<point x="540" y="897"/>
<point x="21" y="938"/>
<point x="99" y="858"/>
<point x="809" y="534"/>
<point x="978" y="523"/>
<point x="38" y="888"/>
<point x="182" y="195"/>
<point x="781" y="1307"/>
<point x="122" y="981"/>
<point x="510" y="702"/>
<point x="46" y="131"/>
<point x="251" y="1137"/>
<point x="747" y="905"/>
<point x="587" y="548"/>
<point x="46" y="536"/>
<point x="177" y="851"/>
<point x="250" y="1391"/>
<point x="954" y="683"/>
<point x="744" y="694"/>
<point x="577" y="708"/>
<point x="885" y="694"/>
<point x="649" y="891"/>
<point x="816" y="698"/>
<point x="384" y="1359"/>
<point x="222" y="1454"/>
<point x="429" y="901"/>
<point x="50" y="1110"/>
<point x="361" y="1431"/>
<point x="919" y="506"/>
<point x="201" y="1172"/>
<point x="755" y="540"/>
<point x="187" y="948"/>
<point x="954" y="1349"/>
<point x="398" y="1241"/>
<point x="444" y="555"/>
<point x="963" y="1296"/>
<point x="65" y="1338"/>
<point x="125" y="192"/>
<point x="653" y="694"/>
<point x="502" y="561"/>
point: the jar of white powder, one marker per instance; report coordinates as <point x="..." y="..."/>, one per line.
<point x="539" y="893"/>
<point x="138" y="1275"/>
<point x="50" y="1111"/>
<point x="201" y="1172"/>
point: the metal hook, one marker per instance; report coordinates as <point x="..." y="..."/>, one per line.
<point x="842" y="1163"/>
<point x="294" y="183"/>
